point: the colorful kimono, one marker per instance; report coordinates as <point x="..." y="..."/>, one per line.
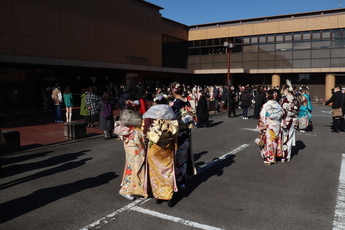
<point x="289" y="125"/>
<point x="133" y="179"/>
<point x="184" y="158"/>
<point x="304" y="115"/>
<point x="161" y="128"/>
<point x="270" y="130"/>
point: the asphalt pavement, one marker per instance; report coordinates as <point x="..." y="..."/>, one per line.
<point x="75" y="184"/>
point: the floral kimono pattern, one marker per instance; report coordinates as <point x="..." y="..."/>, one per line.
<point x="289" y="125"/>
<point x="162" y="145"/>
<point x="269" y="126"/>
<point x="133" y="179"/>
<point x="304" y="115"/>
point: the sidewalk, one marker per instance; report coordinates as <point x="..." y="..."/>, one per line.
<point x="38" y="129"/>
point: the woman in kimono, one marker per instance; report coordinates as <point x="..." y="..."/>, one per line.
<point x="184" y="159"/>
<point x="160" y="128"/>
<point x="304" y="115"/>
<point x="289" y="122"/>
<point x="269" y="126"/>
<point x="128" y="128"/>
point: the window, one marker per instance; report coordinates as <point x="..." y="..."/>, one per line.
<point x="279" y="37"/>
<point x="262" y="39"/>
<point x="297" y="36"/>
<point x="321" y="44"/>
<point x="301" y="45"/>
<point x="301" y="54"/>
<point x="288" y="37"/>
<point x="284" y="46"/>
<point x="270" y="38"/>
<point x="326" y="34"/>
<point x="316" y="35"/>
<point x="266" y="47"/>
<point x="306" y="36"/>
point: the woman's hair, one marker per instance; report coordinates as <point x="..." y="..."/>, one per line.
<point x="131" y="117"/>
<point x="177" y="88"/>
<point x="162" y="99"/>
<point x="84" y="90"/>
<point x="270" y="94"/>
<point x="66" y="90"/>
<point x="105" y="97"/>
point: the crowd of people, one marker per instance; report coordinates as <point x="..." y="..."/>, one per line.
<point x="157" y="139"/>
<point x="157" y="143"/>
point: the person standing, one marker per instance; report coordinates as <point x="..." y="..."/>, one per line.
<point x="232" y="102"/>
<point x="289" y="121"/>
<point x="245" y="102"/>
<point x="202" y="112"/>
<point x="57" y="100"/>
<point x="83" y="109"/>
<point x="106" y="117"/>
<point x="305" y="109"/>
<point x="128" y="128"/>
<point x="184" y="159"/>
<point x="91" y="102"/>
<point x="68" y="100"/>
<point x="338" y="102"/>
<point x="259" y="101"/>
<point x="269" y="126"/>
<point x="160" y="127"/>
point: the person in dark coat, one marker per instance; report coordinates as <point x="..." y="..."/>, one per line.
<point x="106" y="122"/>
<point x="245" y="99"/>
<point x="259" y="101"/>
<point x="202" y="112"/>
<point x="338" y="101"/>
<point x="232" y="102"/>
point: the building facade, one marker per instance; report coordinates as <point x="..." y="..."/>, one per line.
<point x="84" y="43"/>
<point x="92" y="43"/>
<point x="307" y="48"/>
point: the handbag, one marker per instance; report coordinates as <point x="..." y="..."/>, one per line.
<point x="337" y="112"/>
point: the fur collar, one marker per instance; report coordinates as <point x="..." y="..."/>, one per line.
<point x="160" y="111"/>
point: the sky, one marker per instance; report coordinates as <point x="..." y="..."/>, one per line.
<point x="193" y="12"/>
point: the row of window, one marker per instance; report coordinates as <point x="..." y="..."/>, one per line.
<point x="269" y="47"/>
<point x="273" y="64"/>
<point x="272" y="38"/>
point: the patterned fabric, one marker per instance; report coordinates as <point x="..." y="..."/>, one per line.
<point x="133" y="180"/>
<point x="92" y="102"/>
<point x="289" y="125"/>
<point x="161" y="150"/>
<point x="304" y="115"/>
<point x="270" y="128"/>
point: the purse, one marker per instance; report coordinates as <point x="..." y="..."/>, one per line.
<point x="337" y="112"/>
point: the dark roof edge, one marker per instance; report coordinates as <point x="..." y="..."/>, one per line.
<point x="149" y="3"/>
<point x="269" y="18"/>
<point x="175" y="22"/>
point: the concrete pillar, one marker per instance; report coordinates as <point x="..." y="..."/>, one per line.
<point x="329" y="85"/>
<point x="275" y="80"/>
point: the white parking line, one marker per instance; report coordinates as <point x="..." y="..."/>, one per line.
<point x="339" y="214"/>
<point x="133" y="205"/>
<point x="110" y="217"/>
<point x="175" y="219"/>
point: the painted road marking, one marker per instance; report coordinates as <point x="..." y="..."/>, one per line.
<point x="133" y="206"/>
<point x="174" y="219"/>
<point x="105" y="220"/>
<point x="339" y="214"/>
